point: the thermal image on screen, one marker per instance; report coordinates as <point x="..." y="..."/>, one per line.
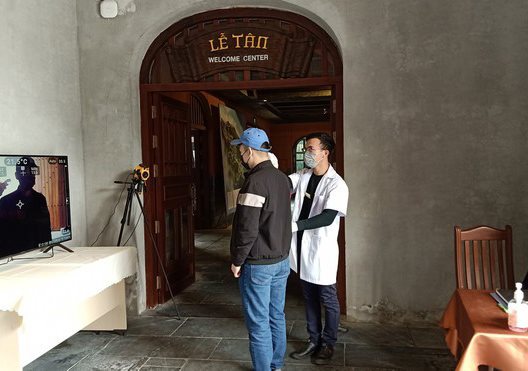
<point x="34" y="202"/>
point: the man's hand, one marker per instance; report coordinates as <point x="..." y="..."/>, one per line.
<point x="3" y="186"/>
<point x="295" y="227"/>
<point x="235" y="270"/>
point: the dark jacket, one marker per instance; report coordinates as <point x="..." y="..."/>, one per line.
<point x="262" y="222"/>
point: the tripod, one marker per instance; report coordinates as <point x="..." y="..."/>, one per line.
<point x="135" y="187"/>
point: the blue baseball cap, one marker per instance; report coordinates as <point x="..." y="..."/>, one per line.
<point x="253" y="138"/>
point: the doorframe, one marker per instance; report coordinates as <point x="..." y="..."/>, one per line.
<point x="146" y="92"/>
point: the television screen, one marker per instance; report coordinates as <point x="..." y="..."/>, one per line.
<point x="34" y="202"/>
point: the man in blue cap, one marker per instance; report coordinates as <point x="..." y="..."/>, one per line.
<point x="260" y="244"/>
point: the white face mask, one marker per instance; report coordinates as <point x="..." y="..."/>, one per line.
<point x="310" y="160"/>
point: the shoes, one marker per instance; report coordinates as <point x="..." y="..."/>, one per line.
<point x="323" y="355"/>
<point x="310" y="349"/>
<point x="342" y="329"/>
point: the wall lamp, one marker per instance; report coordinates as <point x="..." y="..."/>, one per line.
<point x="113" y="8"/>
<point x="108" y="8"/>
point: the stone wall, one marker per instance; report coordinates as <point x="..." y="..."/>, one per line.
<point x="435" y="115"/>
<point x="40" y="106"/>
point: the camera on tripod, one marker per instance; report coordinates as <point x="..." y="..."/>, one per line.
<point x="140" y="173"/>
<point x="135" y="187"/>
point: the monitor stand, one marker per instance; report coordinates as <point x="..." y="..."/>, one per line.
<point x="57" y="245"/>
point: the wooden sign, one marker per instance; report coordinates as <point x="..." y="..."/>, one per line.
<point x="240" y="47"/>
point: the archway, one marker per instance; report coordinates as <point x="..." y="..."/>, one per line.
<point x="255" y="52"/>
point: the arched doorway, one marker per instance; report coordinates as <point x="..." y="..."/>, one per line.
<point x="249" y="55"/>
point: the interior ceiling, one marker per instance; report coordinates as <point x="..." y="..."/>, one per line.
<point x="283" y="105"/>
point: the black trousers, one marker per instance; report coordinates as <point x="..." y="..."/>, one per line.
<point x="314" y="297"/>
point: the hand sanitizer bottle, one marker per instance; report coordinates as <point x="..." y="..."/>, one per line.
<point x="518" y="311"/>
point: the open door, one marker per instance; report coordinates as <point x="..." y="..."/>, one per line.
<point x="236" y="49"/>
<point x="172" y="155"/>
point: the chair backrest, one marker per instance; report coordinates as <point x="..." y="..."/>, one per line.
<point x="484" y="258"/>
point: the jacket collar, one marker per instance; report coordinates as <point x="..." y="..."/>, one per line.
<point x="262" y="165"/>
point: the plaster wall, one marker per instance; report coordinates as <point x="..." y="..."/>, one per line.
<point x="40" y="106"/>
<point x="435" y="131"/>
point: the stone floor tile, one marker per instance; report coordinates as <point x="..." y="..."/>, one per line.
<point x="200" y="348"/>
<point x="195" y="296"/>
<point x="155" y="325"/>
<point x="205" y="237"/>
<point x="214" y="254"/>
<point x="102" y="362"/>
<point x="213" y="265"/>
<point x="213" y="276"/>
<point x="312" y="367"/>
<point x="211" y="333"/>
<point x="232" y="350"/>
<point x="158" y="346"/>
<point x="214" y="365"/>
<point x="376" y="334"/>
<point x="223" y="298"/>
<point x="293" y="299"/>
<point x="56" y="360"/>
<point x="295" y="312"/>
<point x="298" y="331"/>
<point x="428" y="337"/>
<point x="135" y="346"/>
<point x="218" y="245"/>
<point x="71" y="351"/>
<point x="165" y="311"/>
<point x="202" y="244"/>
<point x="164" y="362"/>
<point x="397" y="357"/>
<point x="227" y="286"/>
<point x="230" y="328"/>
<point x="214" y="287"/>
<point x="289" y="326"/>
<point x="208" y="310"/>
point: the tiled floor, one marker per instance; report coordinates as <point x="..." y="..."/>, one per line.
<point x="211" y="334"/>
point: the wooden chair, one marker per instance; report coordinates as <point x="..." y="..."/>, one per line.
<point x="484" y="258"/>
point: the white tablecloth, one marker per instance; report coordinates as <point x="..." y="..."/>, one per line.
<point x="28" y="284"/>
<point x="45" y="301"/>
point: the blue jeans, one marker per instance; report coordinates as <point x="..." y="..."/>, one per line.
<point x="314" y="296"/>
<point x="263" y="291"/>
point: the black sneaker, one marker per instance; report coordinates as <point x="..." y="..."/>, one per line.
<point x="310" y="349"/>
<point x="323" y="355"/>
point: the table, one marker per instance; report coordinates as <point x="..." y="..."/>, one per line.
<point x="477" y="329"/>
<point x="43" y="302"/>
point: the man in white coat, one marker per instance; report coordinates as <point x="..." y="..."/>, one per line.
<point x="321" y="198"/>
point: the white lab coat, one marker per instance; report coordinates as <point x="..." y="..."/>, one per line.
<point x="320" y="251"/>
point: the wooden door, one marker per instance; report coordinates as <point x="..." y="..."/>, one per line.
<point x="199" y="175"/>
<point x="173" y="182"/>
